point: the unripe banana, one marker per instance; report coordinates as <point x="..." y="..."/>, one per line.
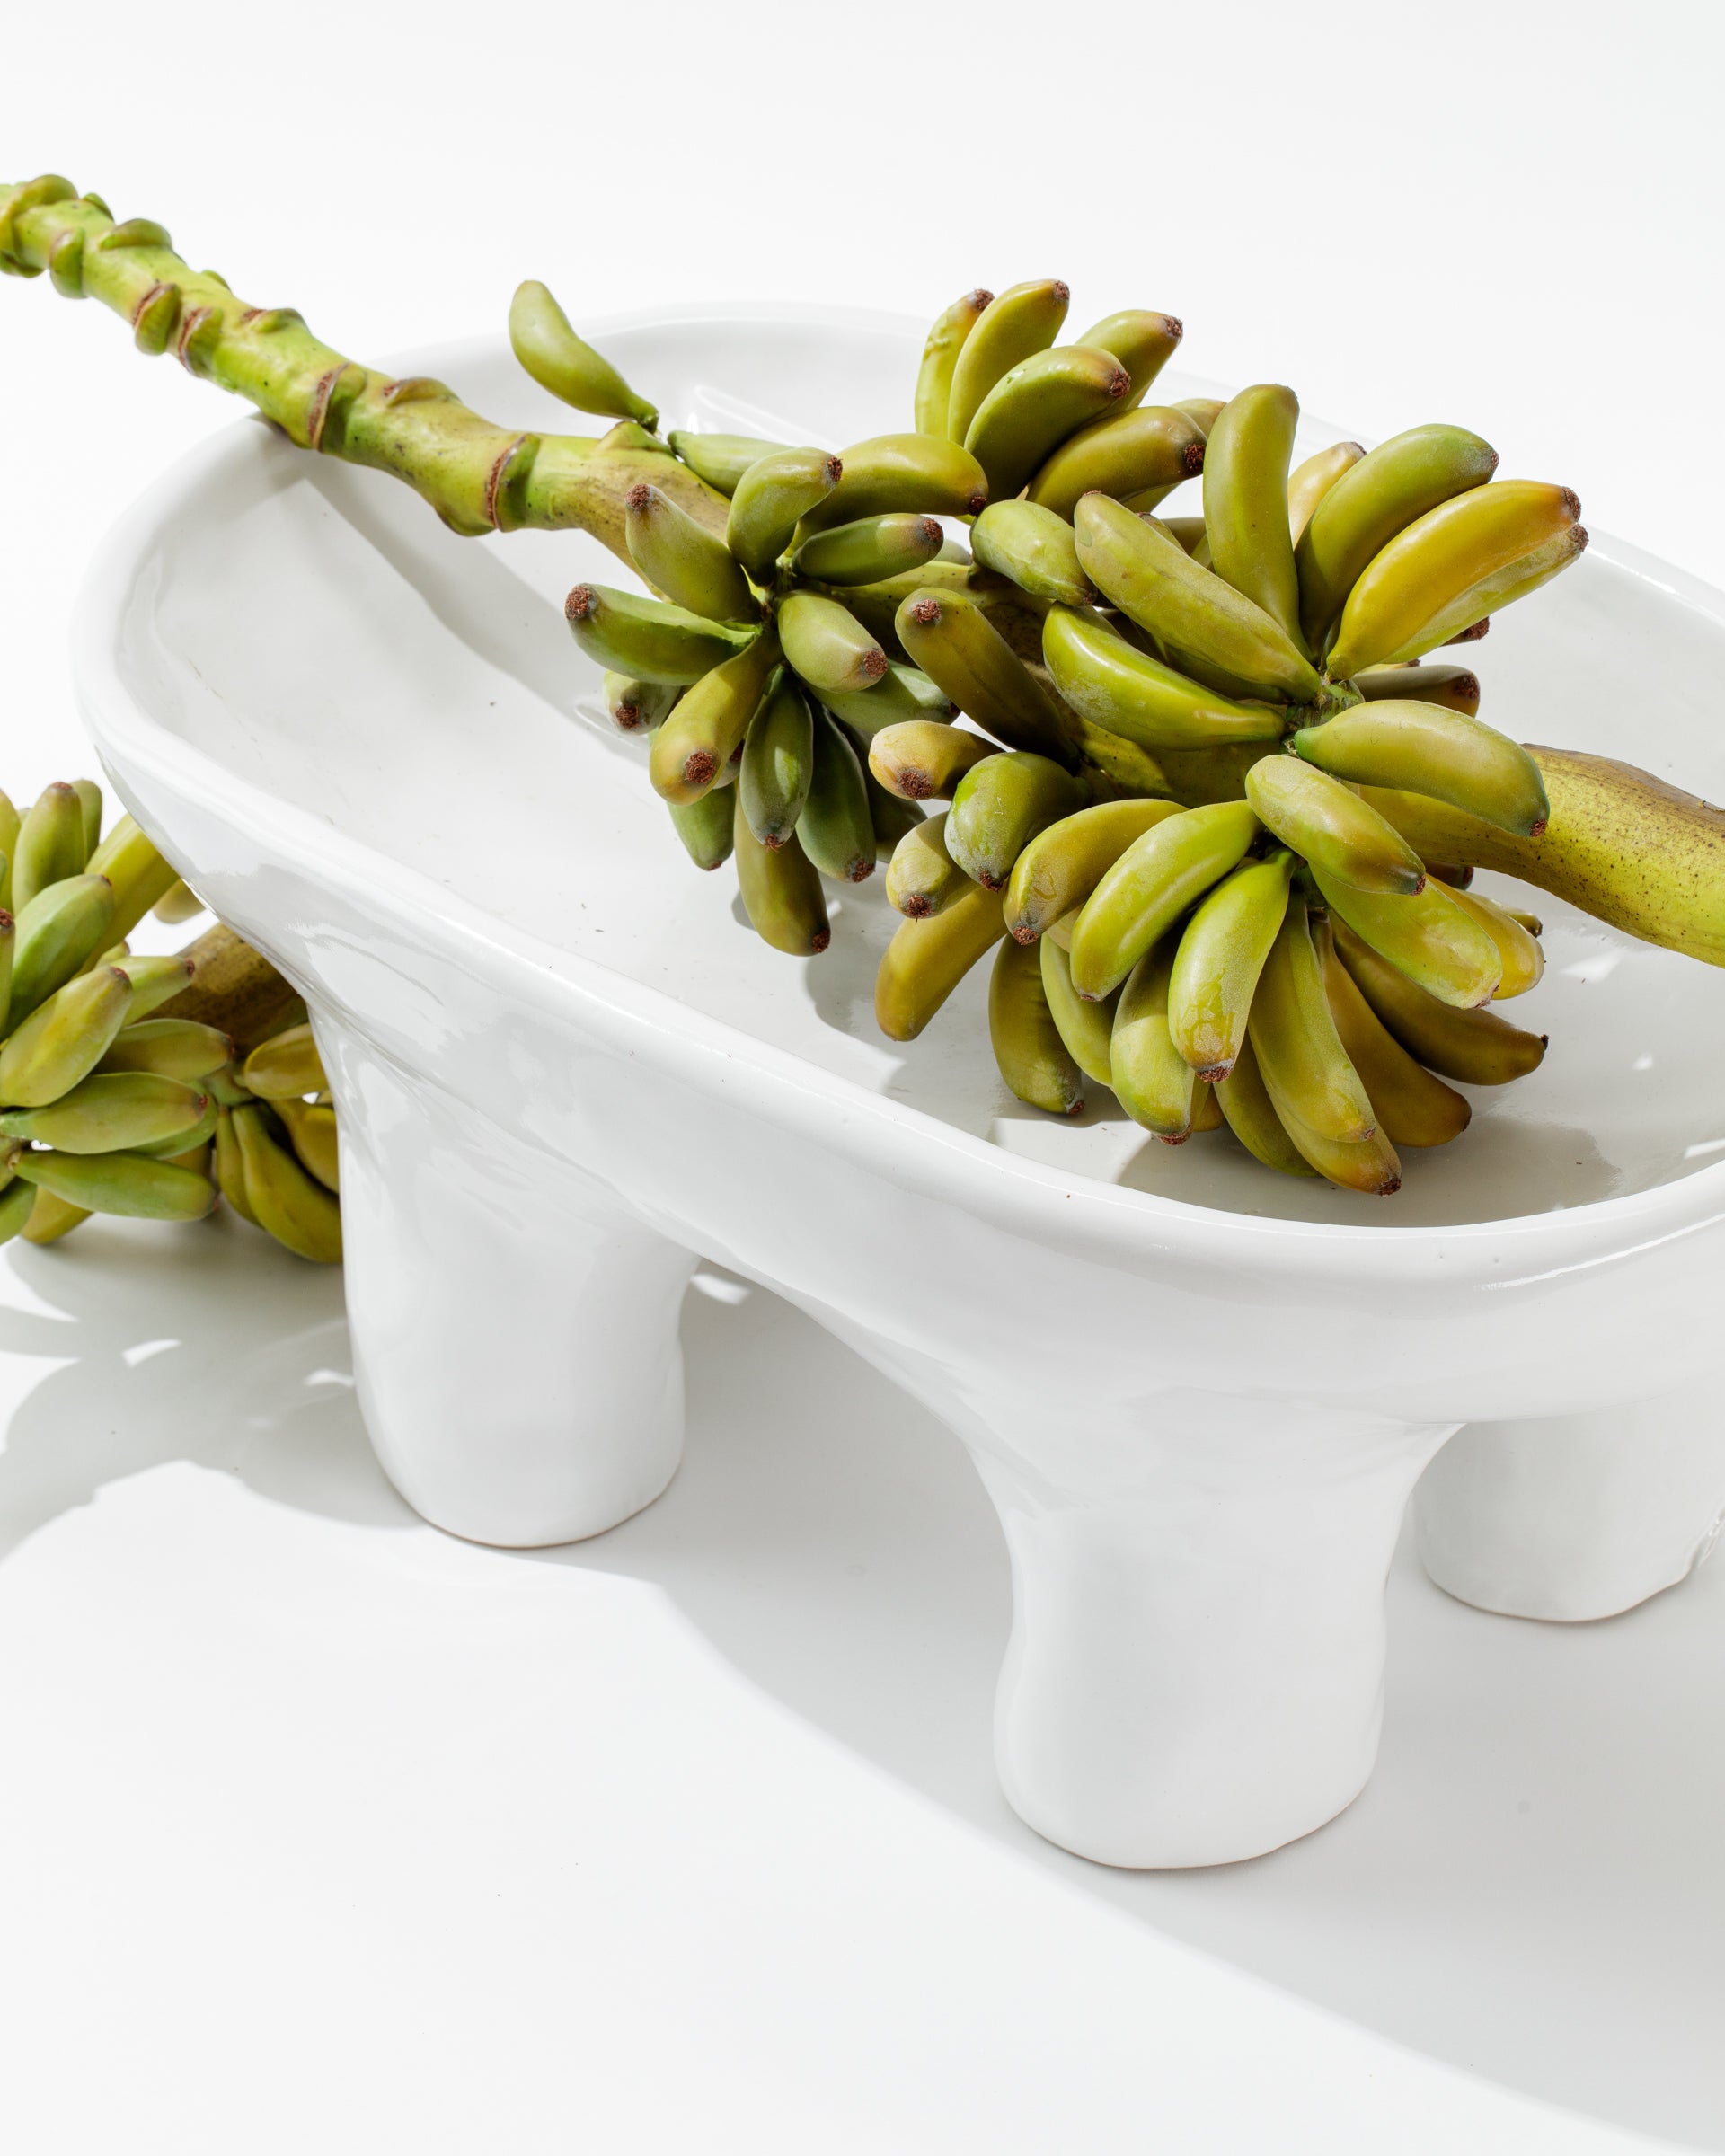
<point x="1153" y="1080"/>
<point x="109" y="1112"/>
<point x="901" y="695"/>
<point x="1114" y="686"/>
<point x="177" y="903"/>
<point x="1453" y="688"/>
<point x="1087" y="1026"/>
<point x="720" y="459"/>
<point x="928" y="957"/>
<point x="923" y="759"/>
<point x="781" y="893"/>
<point x="639" y="706"/>
<point x="1037" y="405"/>
<point x="90" y="800"/>
<point x="155" y="981"/>
<point x="999" y="804"/>
<point x="1138" y="899"/>
<point x="1386" y="491"/>
<point x="136" y="874"/>
<point x="1131" y="769"/>
<point x="10" y="823"/>
<point x="1429" y="936"/>
<point x="696" y="744"/>
<point x="892" y="818"/>
<point x="951" y="638"/>
<point x="1369" y="1166"/>
<point x="946" y="340"/>
<point x="228" y="1169"/>
<point x="1474" y="1048"/>
<point x="125" y="1183"/>
<point x="1035" y="549"/>
<point x="1142" y="342"/>
<point x="312" y="1132"/>
<point x="825" y="643"/>
<point x="692" y="566"/>
<point x="1202" y="412"/>
<point x="1422" y="749"/>
<point x="64" y="1039"/>
<point x="630" y="635"/>
<point x="771" y="499"/>
<point x="1026" y="318"/>
<point x="1214" y="971"/>
<point x="1029" y="1051"/>
<point x="1205" y="626"/>
<point x="1457" y="562"/>
<point x="835" y="828"/>
<point x="870" y="549"/>
<point x="50" y="844"/>
<point x="17" y="1203"/>
<point x="1154" y="447"/>
<point x="704" y="825"/>
<point x="1308" y="483"/>
<point x="1245" y="500"/>
<point x="1329" y="824"/>
<point x="1062" y="865"/>
<point x="922" y="877"/>
<point x="172" y="1048"/>
<point x="1412" y="1107"/>
<point x="558" y="360"/>
<point x="285" y="1201"/>
<point x="1189" y="530"/>
<point x="56" y="931"/>
<point x="875" y="606"/>
<point x="778" y="763"/>
<point x="1518" y="950"/>
<point x="1245" y="1102"/>
<point x="1315" y="1089"/>
<point x="286" y="1066"/>
<point x="893" y="472"/>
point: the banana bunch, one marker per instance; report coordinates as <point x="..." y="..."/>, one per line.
<point x="119" y="1088"/>
<point x="1236" y="931"/>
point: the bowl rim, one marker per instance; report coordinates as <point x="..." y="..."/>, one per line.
<point x="1081" y="1213"/>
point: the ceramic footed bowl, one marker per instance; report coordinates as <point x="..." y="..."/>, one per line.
<point x="1199" y="1394"/>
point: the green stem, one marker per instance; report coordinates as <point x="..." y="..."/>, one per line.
<point x="479" y="477"/>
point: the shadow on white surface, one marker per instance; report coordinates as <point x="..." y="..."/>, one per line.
<point x="1532" y="1889"/>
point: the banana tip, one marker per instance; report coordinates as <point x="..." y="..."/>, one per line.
<point x="979" y="502"/>
<point x="699" y="766"/>
<point x="926" y="611"/>
<point x="821" y="938"/>
<point x="1022" y="933"/>
<point x="1192" y="457"/>
<point x="579" y="602"/>
<point x="638" y="495"/>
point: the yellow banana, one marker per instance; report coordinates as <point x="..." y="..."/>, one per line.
<point x="1142" y="341"/>
<point x="173" y="1047"/>
<point x="781" y="892"/>
<point x="136" y="874"/>
<point x="892" y="472"/>
<point x="312" y="1129"/>
<point x="698" y="739"/>
<point x="1245" y="1100"/>
<point x="1214" y="970"/>
<point x="286" y="1202"/>
<point x="1062" y="865"/>
<point x="1037" y="405"/>
<point x="1475" y="1047"/>
<point x="1115" y="687"/>
<point x="922" y="877"/>
<point x="923" y="759"/>
<point x="1202" y="412"/>
<point x="1124" y="452"/>
<point x="951" y="638"/>
<point x="772" y="498"/>
<point x="1368" y="1165"/>
<point x="286" y="1066"/>
<point x="50" y="843"/>
<point x="1087" y="1027"/>
<point x="1453" y="688"/>
<point x="1518" y="945"/>
<point x="1029" y="1051"/>
<point x="928" y="957"/>
<point x="1412" y="1107"/>
<point x="1035" y="549"/>
<point x="1315" y="1089"/>
<point x="1428" y="936"/>
<point x="110" y="1112"/>
<point x="824" y="643"/>
<point x="64" y="1039"/>
<point x="56" y="931"/>
<point x="1152" y="1079"/>
<point x="1245" y="500"/>
<point x="1150" y="886"/>
<point x="940" y="356"/>
<point x="1329" y="824"/>
<point x="1423" y="748"/>
<point x="228" y="1167"/>
<point x="178" y="903"/>
<point x="1308" y="483"/>
<point x="999" y="806"/>
<point x="1026" y="318"/>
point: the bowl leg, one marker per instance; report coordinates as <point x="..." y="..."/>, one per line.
<point x="1577" y="1517"/>
<point x="514" y="1331"/>
<point x="1196" y="1667"/>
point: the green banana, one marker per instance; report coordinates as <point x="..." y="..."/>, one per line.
<point x="17" y="1203"/>
<point x="1245" y="1103"/>
<point x="1142" y="342"/>
<point x="1473" y="1046"/>
<point x="125" y="1183"/>
<point x="778" y="762"/>
<point x="952" y="640"/>
<point x="1421" y="748"/>
<point x="1308" y="483"/>
<point x="692" y="566"/>
<point x="1428" y="936"/>
<point x="1455" y="688"/>
<point x="923" y="759"/>
<point x="1518" y="951"/>
<point x="1141" y="896"/>
<point x="1025" y="319"/>
<point x="781" y="893"/>
<point x="1368" y="1165"/>
<point x="1133" y="769"/>
<point x="1304" y="1065"/>
<point x="10" y="823"/>
<point x="1155" y="446"/>
<point x="1029" y="1051"/>
<point x="825" y="643"/>
<point x="178" y="903"/>
<point x="696" y="744"/>
<point x="1086" y="1026"/>
<point x="1365" y="507"/>
<point x="875" y="606"/>
<point x="644" y="637"/>
<point x="1412" y="1107"/>
<point x="999" y="806"/>
<point x="64" y="1039"/>
<point x="312" y="1132"/>
<point x="928" y="956"/>
<point x="771" y="499"/>
<point x="922" y="877"/>
<point x="1479" y="551"/>
<point x="286" y="1067"/>
<point x="1335" y="831"/>
<point x="870" y="549"/>
<point x="1037" y="405"/>
<point x="1062" y="863"/>
<point x="1114" y="686"/>
<point x="1202" y="412"/>
<point x="720" y="459"/>
<point x="558" y="360"/>
<point x="1205" y="626"/>
<point x="227" y="1167"/>
<point x="1035" y="549"/>
<point x="172" y="1048"/>
<point x="1221" y="952"/>
<point x="50" y="843"/>
<point x="57" y="930"/>
<point x="835" y="828"/>
<point x="704" y="825"/>
<point x="901" y="695"/>
<point x="639" y="706"/>
<point x="892" y="818"/>
<point x="893" y="472"/>
<point x="285" y="1201"/>
<point x="110" y="1111"/>
<point x="1154" y="1081"/>
<point x="155" y="982"/>
<point x="1245" y="500"/>
<point x="946" y="340"/>
<point x="136" y="874"/>
<point x="8" y="942"/>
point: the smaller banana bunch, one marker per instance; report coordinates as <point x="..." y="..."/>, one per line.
<point x="1239" y="931"/>
<point x="119" y="1091"/>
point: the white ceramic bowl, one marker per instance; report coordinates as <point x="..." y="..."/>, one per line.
<point x="1199" y="1394"/>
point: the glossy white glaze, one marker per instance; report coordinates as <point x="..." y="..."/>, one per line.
<point x="1198" y="1394"/>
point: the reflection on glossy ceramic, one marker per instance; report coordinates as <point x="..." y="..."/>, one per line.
<point x="1198" y="1395"/>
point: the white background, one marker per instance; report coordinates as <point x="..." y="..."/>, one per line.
<point x="318" y="1830"/>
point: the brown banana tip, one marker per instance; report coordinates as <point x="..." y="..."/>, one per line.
<point x="932" y="530"/>
<point x="1119" y="382"/>
<point x="1418" y="887"/>
<point x="1572" y="501"/>
<point x="6" y="921"/>
<point x="1580" y="532"/>
<point x="915" y="785"/>
<point x="926" y="611"/>
<point x="1162" y="1139"/>
<point x="917" y="907"/>
<point x="861" y="868"/>
<point x="737" y="754"/>
<point x="834" y="469"/>
<point x="638" y="495"/>
<point x="874" y="663"/>
<point x="1062" y="291"/>
<point x="1467" y="685"/>
<point x="774" y="840"/>
<point x="1388" y="1189"/>
<point x="579" y="604"/>
<point x="992" y="883"/>
<point x="821" y="940"/>
<point x="1545" y="1040"/>
<point x="1023" y="934"/>
<point x="698" y="767"/>
<point x="978" y="502"/>
<point x="1192" y="457"/>
<point x="981" y="298"/>
<point x="1536" y="829"/>
<point x="1214" y="1074"/>
<point x="1173" y="326"/>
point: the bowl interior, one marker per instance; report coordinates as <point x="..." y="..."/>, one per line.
<point x="315" y="631"/>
